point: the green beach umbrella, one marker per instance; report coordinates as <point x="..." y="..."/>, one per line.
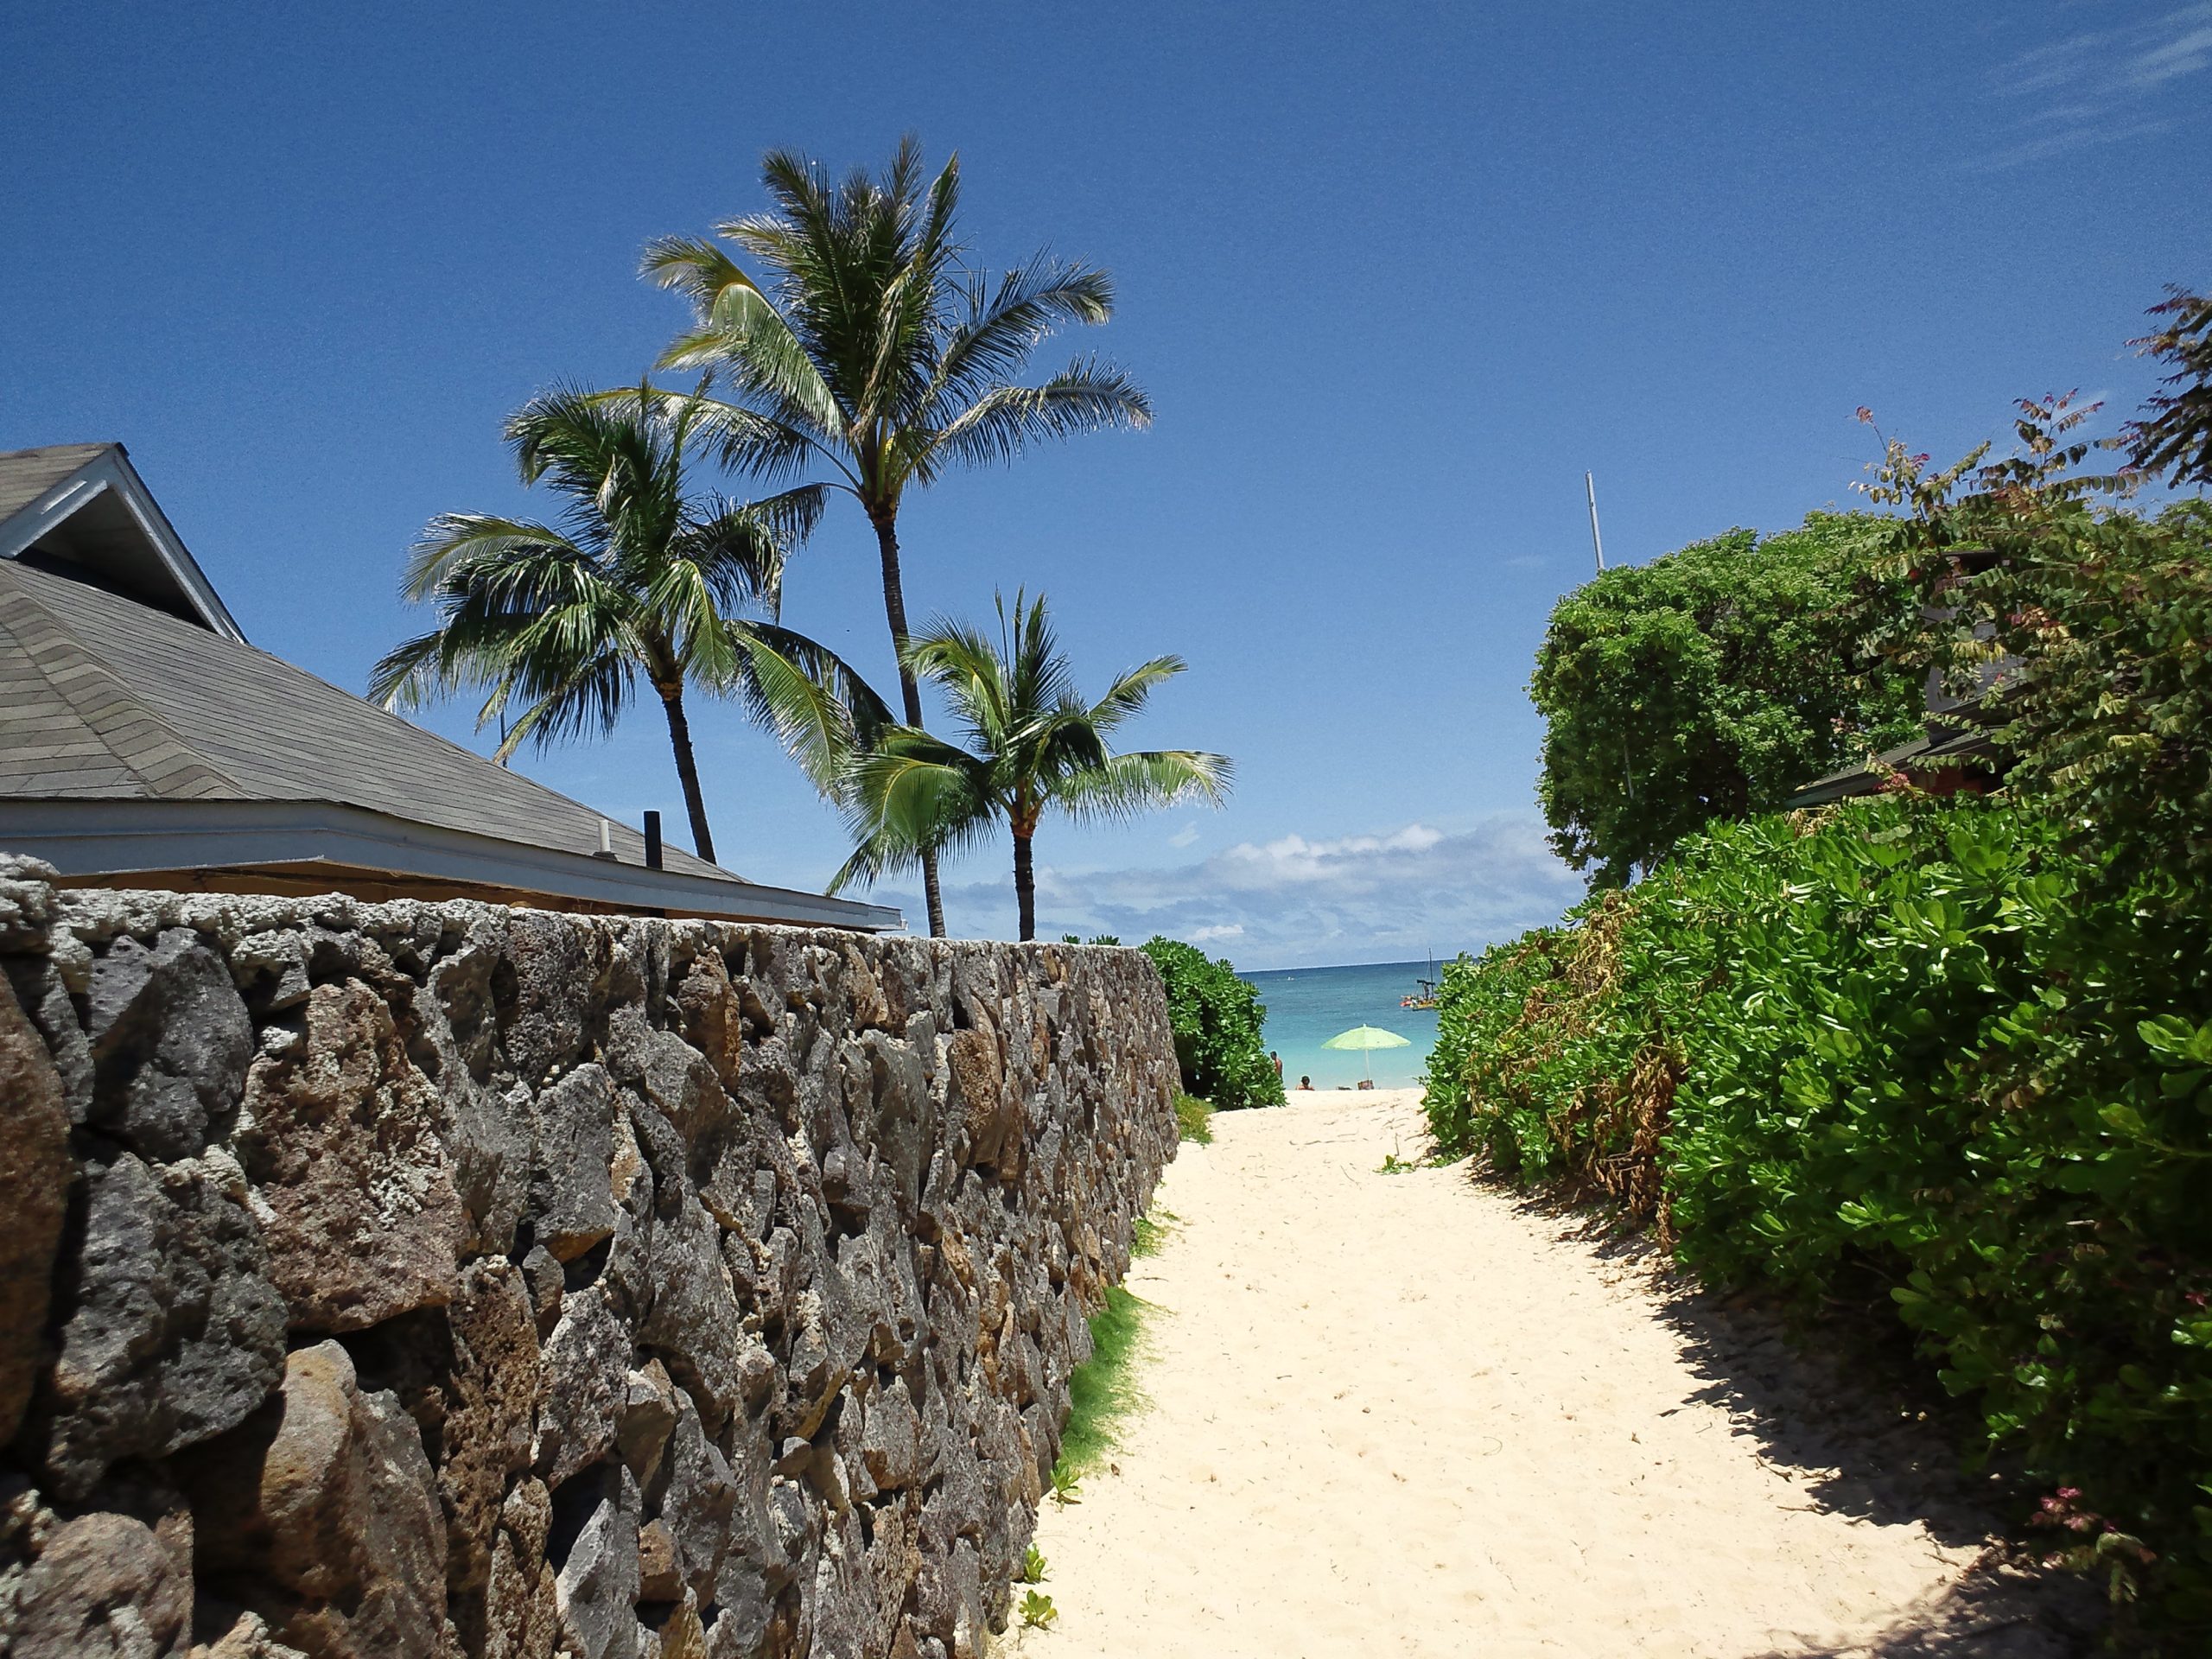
<point x="1367" y="1039"/>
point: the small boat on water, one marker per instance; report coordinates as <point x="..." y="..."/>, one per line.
<point x="1425" y="997"/>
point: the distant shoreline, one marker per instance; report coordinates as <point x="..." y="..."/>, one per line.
<point x="1342" y="967"/>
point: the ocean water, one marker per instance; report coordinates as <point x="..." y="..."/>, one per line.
<point x="1308" y="1006"/>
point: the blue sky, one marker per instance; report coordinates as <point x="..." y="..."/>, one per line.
<point x="1394" y="275"/>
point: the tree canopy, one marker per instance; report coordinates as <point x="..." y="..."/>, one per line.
<point x="2100" y="615"/>
<point x="642" y="577"/>
<point x="871" y="351"/>
<point x="1033" y="745"/>
<point x="1711" y="683"/>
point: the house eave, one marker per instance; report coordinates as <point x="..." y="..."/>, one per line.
<point x="230" y="842"/>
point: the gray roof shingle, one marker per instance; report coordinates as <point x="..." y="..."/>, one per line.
<point x="132" y="702"/>
<point x="26" y="474"/>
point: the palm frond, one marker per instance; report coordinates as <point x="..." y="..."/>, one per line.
<point x="914" y="793"/>
<point x="695" y="267"/>
<point x="1145" y="781"/>
<point x="452" y="540"/>
<point x="1086" y="397"/>
<point x="648" y="581"/>
<point x="961" y="660"/>
<point x="1128" y="695"/>
<point x="821" y="710"/>
<point x="1003" y="325"/>
<point x="591" y="695"/>
<point x="414" y="673"/>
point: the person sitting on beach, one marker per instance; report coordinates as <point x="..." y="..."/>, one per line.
<point x="1306" y="1083"/>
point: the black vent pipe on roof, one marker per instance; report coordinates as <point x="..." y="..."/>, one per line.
<point x="652" y="841"/>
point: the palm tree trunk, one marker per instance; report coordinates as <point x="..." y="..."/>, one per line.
<point x="1025" y="885"/>
<point x="687" y="769"/>
<point x="894" y="611"/>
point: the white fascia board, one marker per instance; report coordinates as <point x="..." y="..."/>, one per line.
<point x="118" y="837"/>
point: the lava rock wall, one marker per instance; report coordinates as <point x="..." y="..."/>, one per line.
<point x="448" y="1280"/>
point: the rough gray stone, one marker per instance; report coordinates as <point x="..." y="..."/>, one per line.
<point x="735" y="1272"/>
<point x="341" y="1136"/>
<point x="702" y="1495"/>
<point x="35" y="1173"/>
<point x="674" y="1078"/>
<point x="648" y="1414"/>
<point x="28" y="912"/>
<point x="44" y="997"/>
<point x="555" y="968"/>
<point x="598" y="1585"/>
<point x="247" y="1638"/>
<point x="583" y="1385"/>
<point x="571" y="1200"/>
<point x="106" y="1587"/>
<point x="485" y="1437"/>
<point x="522" y="1615"/>
<point x="324" y="1506"/>
<point x="170" y="1040"/>
<point x="489" y="1129"/>
<point x="695" y="1323"/>
<point x="175" y="1334"/>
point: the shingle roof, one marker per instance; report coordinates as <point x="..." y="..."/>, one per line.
<point x="105" y="697"/>
<point x="26" y="474"/>
<point x="1864" y="778"/>
<point x="140" y="735"/>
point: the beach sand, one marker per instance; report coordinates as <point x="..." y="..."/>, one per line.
<point x="1404" y="1414"/>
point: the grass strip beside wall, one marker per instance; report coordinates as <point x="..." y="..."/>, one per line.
<point x="1102" y="1392"/>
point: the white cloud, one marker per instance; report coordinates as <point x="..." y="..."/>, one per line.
<point x="1295" y="901"/>
<point x="1185" y="836"/>
<point x="2092" y="88"/>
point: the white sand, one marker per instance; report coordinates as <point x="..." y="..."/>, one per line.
<point x="1399" y="1414"/>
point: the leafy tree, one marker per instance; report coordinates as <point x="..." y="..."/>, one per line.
<point x="2080" y="628"/>
<point x="1219" y="1025"/>
<point x="641" y="578"/>
<point x="869" y="347"/>
<point x="1033" y="745"/>
<point x="1710" y="683"/>
<point x="2173" y="435"/>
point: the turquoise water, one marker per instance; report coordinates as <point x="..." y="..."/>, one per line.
<point x="1308" y="1006"/>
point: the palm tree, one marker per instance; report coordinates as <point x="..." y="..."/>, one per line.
<point x="871" y="348"/>
<point x="1033" y="745"/>
<point x="641" y="579"/>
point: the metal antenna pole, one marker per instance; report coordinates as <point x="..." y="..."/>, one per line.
<point x="1597" y="541"/>
<point x="1597" y="546"/>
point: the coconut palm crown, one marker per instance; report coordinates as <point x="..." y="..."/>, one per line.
<point x="640" y="580"/>
<point x="1033" y="745"/>
<point x="869" y="349"/>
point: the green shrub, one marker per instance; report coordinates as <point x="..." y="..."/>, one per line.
<point x="1217" y="1019"/>
<point x="1711" y="682"/>
<point x="1903" y="1055"/>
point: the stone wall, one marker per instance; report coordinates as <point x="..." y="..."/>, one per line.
<point x="445" y="1280"/>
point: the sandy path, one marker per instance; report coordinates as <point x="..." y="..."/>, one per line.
<point x="1399" y="1415"/>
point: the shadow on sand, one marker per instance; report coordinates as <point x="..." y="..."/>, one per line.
<point x="1860" y="1428"/>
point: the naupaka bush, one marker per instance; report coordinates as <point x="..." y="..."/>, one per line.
<point x="1907" y="1054"/>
